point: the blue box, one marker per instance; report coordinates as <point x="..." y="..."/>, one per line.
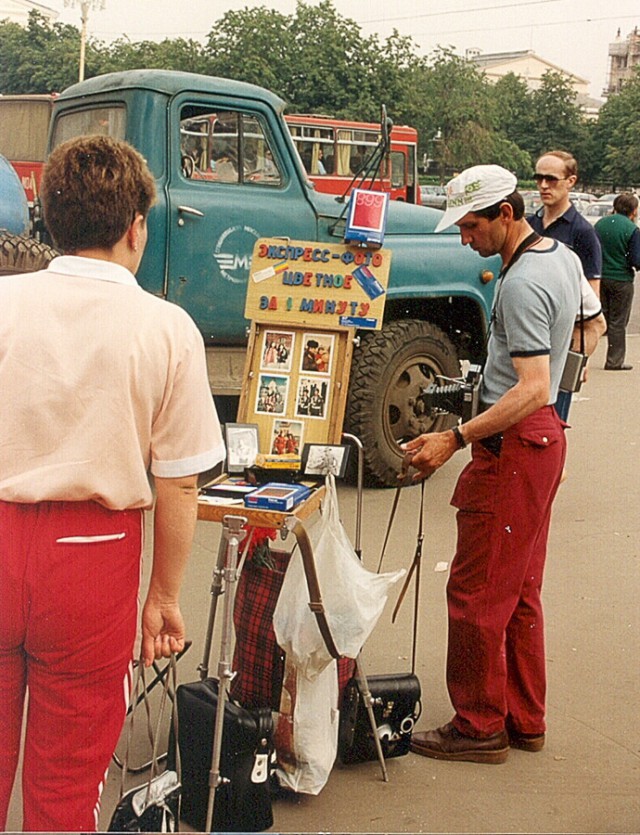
<point x="277" y="496"/>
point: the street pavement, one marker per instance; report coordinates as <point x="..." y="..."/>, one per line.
<point x="587" y="778"/>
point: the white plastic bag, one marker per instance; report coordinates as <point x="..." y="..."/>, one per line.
<point x="306" y="732"/>
<point x="353" y="597"/>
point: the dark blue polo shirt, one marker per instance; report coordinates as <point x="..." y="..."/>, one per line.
<point x="574" y="231"/>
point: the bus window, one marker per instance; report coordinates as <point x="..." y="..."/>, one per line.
<point x="334" y="151"/>
<point x="397" y="169"/>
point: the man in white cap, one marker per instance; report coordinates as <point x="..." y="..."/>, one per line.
<point x="496" y="663"/>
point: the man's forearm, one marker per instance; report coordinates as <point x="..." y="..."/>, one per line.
<point x="174" y="526"/>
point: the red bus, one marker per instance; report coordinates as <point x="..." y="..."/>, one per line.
<point x="333" y="150"/>
<point x="24" y="126"/>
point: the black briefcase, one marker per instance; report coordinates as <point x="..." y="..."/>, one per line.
<point x="396" y="707"/>
<point x="243" y="800"/>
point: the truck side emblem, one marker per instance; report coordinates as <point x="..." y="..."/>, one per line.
<point x="233" y="252"/>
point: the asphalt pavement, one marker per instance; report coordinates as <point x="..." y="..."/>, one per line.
<point x="587" y="778"/>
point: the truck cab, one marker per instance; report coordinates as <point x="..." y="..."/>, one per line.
<point x="228" y="173"/>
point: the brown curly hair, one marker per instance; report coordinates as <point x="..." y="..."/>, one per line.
<point x="92" y="189"/>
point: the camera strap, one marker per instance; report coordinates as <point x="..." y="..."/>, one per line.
<point x="531" y="240"/>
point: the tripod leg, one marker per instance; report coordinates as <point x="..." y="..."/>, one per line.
<point x="368" y="701"/>
<point x="233" y="534"/>
<point x="216" y="591"/>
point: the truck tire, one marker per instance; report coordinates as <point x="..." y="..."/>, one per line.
<point x="20" y="254"/>
<point x="389" y="368"/>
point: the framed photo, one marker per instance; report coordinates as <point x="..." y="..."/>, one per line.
<point x="312" y="397"/>
<point x="272" y="394"/>
<point x="322" y="459"/>
<point x="242" y="445"/>
<point x="286" y="437"/>
<point x="317" y="353"/>
<point x="277" y="351"/>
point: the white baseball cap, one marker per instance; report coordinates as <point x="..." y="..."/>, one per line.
<point x="476" y="188"/>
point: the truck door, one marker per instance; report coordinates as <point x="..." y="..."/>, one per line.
<point x="232" y="180"/>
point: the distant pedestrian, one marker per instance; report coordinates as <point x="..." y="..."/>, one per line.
<point x="620" y="239"/>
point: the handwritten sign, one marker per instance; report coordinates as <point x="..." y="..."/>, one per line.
<point x="309" y="283"/>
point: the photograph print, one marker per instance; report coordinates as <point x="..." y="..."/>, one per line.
<point x="277" y="351"/>
<point x="242" y="445"/>
<point x="272" y="394"/>
<point x="317" y="353"/>
<point x="286" y="437"/>
<point x="312" y="397"/>
<point x="322" y="459"/>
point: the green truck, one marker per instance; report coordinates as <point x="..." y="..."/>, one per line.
<point x="228" y="173"/>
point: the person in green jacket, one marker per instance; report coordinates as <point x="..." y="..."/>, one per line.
<point x="620" y="240"/>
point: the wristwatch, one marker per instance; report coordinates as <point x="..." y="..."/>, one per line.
<point x="459" y="437"/>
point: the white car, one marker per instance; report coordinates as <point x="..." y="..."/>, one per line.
<point x="594" y="211"/>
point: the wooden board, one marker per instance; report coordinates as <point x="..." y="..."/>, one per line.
<point x="319" y="285"/>
<point x="262" y="518"/>
<point x="303" y="396"/>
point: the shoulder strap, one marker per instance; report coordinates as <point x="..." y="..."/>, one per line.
<point x="315" y="599"/>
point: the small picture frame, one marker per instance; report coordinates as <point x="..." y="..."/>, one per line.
<point x="242" y="446"/>
<point x="277" y="351"/>
<point x="324" y="459"/>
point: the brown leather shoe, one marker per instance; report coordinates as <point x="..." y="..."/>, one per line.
<point x="447" y="743"/>
<point x="526" y="742"/>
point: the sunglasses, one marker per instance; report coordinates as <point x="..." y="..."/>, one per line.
<point x="550" y="178"/>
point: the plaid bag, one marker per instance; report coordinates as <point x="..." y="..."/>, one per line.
<point x="258" y="660"/>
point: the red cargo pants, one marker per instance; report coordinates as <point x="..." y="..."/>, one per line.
<point x="69" y="581"/>
<point x="496" y="661"/>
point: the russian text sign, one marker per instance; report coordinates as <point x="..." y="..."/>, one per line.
<point x="325" y="285"/>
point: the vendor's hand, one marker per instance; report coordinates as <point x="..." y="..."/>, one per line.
<point x="430" y="451"/>
<point x="163" y="630"/>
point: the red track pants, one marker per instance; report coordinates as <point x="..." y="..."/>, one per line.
<point x="496" y="661"/>
<point x="68" y="616"/>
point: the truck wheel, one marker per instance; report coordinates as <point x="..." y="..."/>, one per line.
<point x="19" y="254"/>
<point x="389" y="368"/>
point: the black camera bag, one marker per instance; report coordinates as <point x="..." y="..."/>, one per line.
<point x="396" y="707"/>
<point x="243" y="800"/>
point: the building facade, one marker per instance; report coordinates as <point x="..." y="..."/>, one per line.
<point x="624" y="55"/>
<point x="17" y="11"/>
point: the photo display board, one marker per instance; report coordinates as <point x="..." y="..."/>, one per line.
<point x="332" y="286"/>
<point x="295" y="386"/>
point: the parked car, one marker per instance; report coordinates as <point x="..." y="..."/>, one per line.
<point x="582" y="199"/>
<point x="532" y="201"/>
<point x="433" y="196"/>
<point x="595" y="211"/>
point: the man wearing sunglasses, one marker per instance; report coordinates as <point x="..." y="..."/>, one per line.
<point x="556" y="175"/>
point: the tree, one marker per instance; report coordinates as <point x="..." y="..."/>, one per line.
<point x="619" y="136"/>
<point x="251" y="45"/>
<point x="557" y="119"/>
<point x="513" y="111"/>
<point x="40" y="58"/>
<point x="178" y="54"/>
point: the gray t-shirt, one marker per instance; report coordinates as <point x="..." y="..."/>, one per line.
<point x="534" y="313"/>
